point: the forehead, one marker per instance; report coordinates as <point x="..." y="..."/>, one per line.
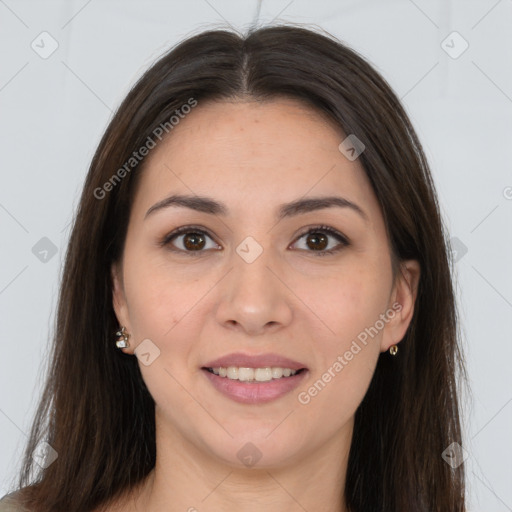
<point x="253" y="152"/>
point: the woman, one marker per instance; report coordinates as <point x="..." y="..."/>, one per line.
<point x="256" y="309"/>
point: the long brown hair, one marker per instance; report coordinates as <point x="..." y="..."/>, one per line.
<point x="96" y="411"/>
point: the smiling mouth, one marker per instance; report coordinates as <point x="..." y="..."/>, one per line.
<point x="256" y="375"/>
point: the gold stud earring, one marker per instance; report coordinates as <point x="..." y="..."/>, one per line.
<point x="123" y="336"/>
<point x="393" y="350"/>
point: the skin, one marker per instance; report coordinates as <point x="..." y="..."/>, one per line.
<point x="253" y="157"/>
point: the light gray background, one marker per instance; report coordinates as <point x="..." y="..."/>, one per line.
<point x="54" y="110"/>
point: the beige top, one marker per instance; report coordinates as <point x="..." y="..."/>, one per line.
<point x="9" y="504"/>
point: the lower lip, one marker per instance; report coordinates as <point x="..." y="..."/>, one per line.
<point x="255" y="392"/>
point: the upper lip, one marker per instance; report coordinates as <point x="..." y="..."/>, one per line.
<point x="254" y="361"/>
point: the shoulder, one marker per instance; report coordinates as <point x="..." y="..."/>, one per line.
<point x="9" y="503"/>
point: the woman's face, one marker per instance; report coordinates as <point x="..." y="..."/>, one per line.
<point x="255" y="280"/>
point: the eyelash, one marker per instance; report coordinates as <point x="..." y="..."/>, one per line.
<point x="344" y="242"/>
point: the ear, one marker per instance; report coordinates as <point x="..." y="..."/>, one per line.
<point x="119" y="300"/>
<point x="402" y="301"/>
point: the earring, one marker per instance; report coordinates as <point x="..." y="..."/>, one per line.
<point x="122" y="342"/>
<point x="393" y="350"/>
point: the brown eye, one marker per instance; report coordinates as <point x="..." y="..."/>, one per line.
<point x="193" y="241"/>
<point x="317" y="241"/>
<point x="189" y="240"/>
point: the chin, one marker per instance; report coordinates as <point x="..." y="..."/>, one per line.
<point x="258" y="450"/>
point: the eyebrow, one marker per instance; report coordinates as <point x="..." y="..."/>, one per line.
<point x="298" y="207"/>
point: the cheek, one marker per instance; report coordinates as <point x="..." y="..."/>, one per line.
<point x="163" y="308"/>
<point x="345" y="361"/>
<point x="159" y="300"/>
<point x="349" y="306"/>
<point x="347" y="301"/>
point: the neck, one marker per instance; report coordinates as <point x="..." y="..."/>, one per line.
<point x="187" y="479"/>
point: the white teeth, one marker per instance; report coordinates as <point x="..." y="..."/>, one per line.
<point x="263" y="374"/>
<point x="253" y="374"/>
<point x="245" y="374"/>
<point x="277" y="373"/>
<point x="232" y="373"/>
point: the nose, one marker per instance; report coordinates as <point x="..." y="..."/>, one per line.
<point x="254" y="297"/>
